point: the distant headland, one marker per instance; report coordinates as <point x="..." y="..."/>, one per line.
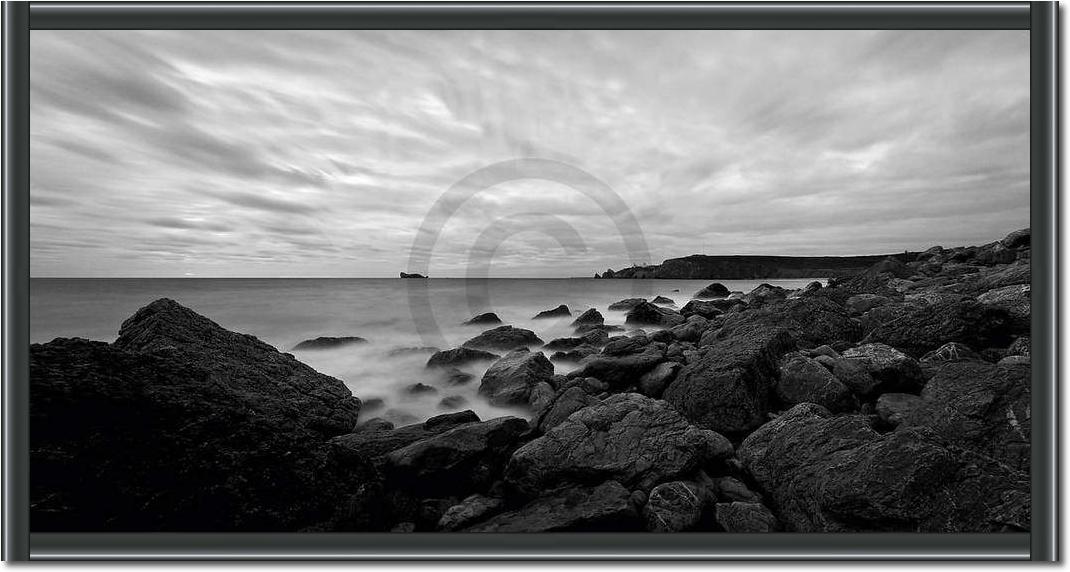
<point x="745" y="267"/>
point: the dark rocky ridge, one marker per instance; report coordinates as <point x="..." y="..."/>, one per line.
<point x="743" y="267"/>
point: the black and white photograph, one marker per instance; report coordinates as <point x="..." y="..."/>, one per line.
<point x="530" y="281"/>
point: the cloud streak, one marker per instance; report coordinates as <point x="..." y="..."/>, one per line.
<point x="318" y="153"/>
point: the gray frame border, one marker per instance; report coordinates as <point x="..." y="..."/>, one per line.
<point x="1039" y="17"/>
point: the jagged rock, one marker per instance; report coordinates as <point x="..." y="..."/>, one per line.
<point x="458" y="357"/>
<point x="574" y="355"/>
<point x="836" y="474"/>
<point x="179" y="426"/>
<point x="469" y="511"/>
<point x="690" y="331"/>
<point x="328" y="343"/>
<point x="589" y="317"/>
<point x="892" y="408"/>
<point x="367" y="446"/>
<point x="980" y="406"/>
<point x="1017" y="239"/>
<point x="951" y="351"/>
<point x="675" y="506"/>
<point x="662" y="300"/>
<point x="745" y="517"/>
<point x="803" y="380"/>
<point x="458" y="461"/>
<point x="708" y="308"/>
<point x="889" y="369"/>
<point x="998" y="277"/>
<point x="558" y="312"/>
<point x="765" y="293"/>
<point x="861" y="303"/>
<point x="812" y="321"/>
<point x="626" y="304"/>
<point x="647" y="314"/>
<point x="604" y="508"/>
<point x="1016" y="301"/>
<point x="654" y="382"/>
<point x="542" y="395"/>
<point x="509" y="381"/>
<point x="484" y="319"/>
<point x="715" y="290"/>
<point x="622" y="361"/>
<point x="505" y="338"/>
<point x="920" y="329"/>
<point x="564" y="404"/>
<point x="1020" y="347"/>
<point x="728" y="387"/>
<point x="628" y="437"/>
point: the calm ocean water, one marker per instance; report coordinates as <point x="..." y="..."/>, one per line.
<point x="389" y="313"/>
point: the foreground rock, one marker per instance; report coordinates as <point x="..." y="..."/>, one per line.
<point x="647" y="314"/>
<point x="604" y="508"/>
<point x="329" y="343"/>
<point x="179" y="426"/>
<point x="504" y="338"/>
<point x="728" y="388"/>
<point x="676" y="506"/>
<point x="715" y="290"/>
<point x="836" y="474"/>
<point x="622" y="362"/>
<point x="626" y="304"/>
<point x="510" y="380"/>
<point x="880" y="369"/>
<point x="628" y="438"/>
<point x="804" y="380"/>
<point x="920" y="328"/>
<point x="367" y="446"/>
<point x="458" y="357"/>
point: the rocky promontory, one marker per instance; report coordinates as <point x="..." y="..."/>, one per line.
<point x="744" y="267"/>
<point x="895" y="399"/>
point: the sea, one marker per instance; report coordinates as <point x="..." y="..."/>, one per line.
<point x="400" y="318"/>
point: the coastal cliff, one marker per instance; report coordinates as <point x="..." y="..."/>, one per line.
<point x="743" y="267"/>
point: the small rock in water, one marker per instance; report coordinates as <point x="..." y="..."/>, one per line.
<point x="484" y="318"/>
<point x="328" y="343"/>
<point x="662" y="300"/>
<point x="419" y="389"/>
<point x="504" y="338"/>
<point x="372" y="404"/>
<point x="452" y="402"/>
<point x="398" y="352"/>
<point x="715" y="290"/>
<point x="459" y="356"/>
<point x="591" y="316"/>
<point x="455" y="376"/>
<point x="626" y="304"/>
<point x="558" y="312"/>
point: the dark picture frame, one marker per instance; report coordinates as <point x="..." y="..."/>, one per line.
<point x="1040" y="18"/>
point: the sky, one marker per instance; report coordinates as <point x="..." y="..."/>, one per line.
<point x="324" y="153"/>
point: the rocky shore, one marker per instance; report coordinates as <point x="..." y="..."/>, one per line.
<point x="894" y="399"/>
<point x="743" y="267"/>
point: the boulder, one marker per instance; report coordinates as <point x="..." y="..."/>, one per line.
<point x="363" y="446"/>
<point x="715" y="290"/>
<point x="419" y="389"/>
<point x="861" y="303"/>
<point x="889" y="369"/>
<point x="575" y="355"/>
<point x="1017" y="239"/>
<point x="509" y="381"/>
<point x="676" y="506"/>
<point x="765" y="293"/>
<point x="654" y="382"/>
<point x="504" y="338"/>
<point x="626" y="304"/>
<point x="647" y="314"/>
<point x="454" y="376"/>
<point x="728" y="387"/>
<point x="589" y="317"/>
<point x="452" y="402"/>
<point x="830" y="473"/>
<point x="179" y="426"/>
<point x="745" y="517"/>
<point x="708" y="308"/>
<point x="328" y="343"/>
<point x="662" y="300"/>
<point x="1020" y="347"/>
<point x="979" y="406"/>
<point x="561" y="311"/>
<point x="459" y="356"/>
<point x="917" y="330"/>
<point x="812" y="321"/>
<point x="542" y="395"/>
<point x="485" y="318"/>
<point x="603" y="508"/>
<point x="459" y="461"/>
<point x="1016" y="301"/>
<point x="803" y="380"/>
<point x="951" y="351"/>
<point x="622" y="362"/>
<point x="564" y="404"/>
<point x="469" y="511"/>
<point x="732" y="489"/>
<point x="892" y="408"/>
<point x="629" y="438"/>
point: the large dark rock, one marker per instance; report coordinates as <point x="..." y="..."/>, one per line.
<point x="626" y="304"/>
<point x="917" y="329"/>
<point x="590" y="316"/>
<point x="329" y="343"/>
<point x="715" y="290"/>
<point x="603" y="508"/>
<point x="622" y="362"/>
<point x="504" y="338"/>
<point x="663" y="300"/>
<point x="364" y="446"/>
<point x="765" y="293"/>
<point x="980" y="406"/>
<point x="708" y="308"/>
<point x="1016" y="301"/>
<point x="629" y="438"/>
<point x="812" y="321"/>
<point x="459" y="461"/>
<point x="830" y="473"/>
<point x="745" y="517"/>
<point x="888" y="369"/>
<point x="458" y="357"/>
<point x="485" y="318"/>
<point x="561" y="311"/>
<point x="804" y="380"/>
<point x="1017" y="239"/>
<point x="471" y="510"/>
<point x="647" y="314"/>
<point x="180" y="425"/>
<point x="728" y="387"/>
<point x="509" y="381"/>
<point x="564" y="404"/>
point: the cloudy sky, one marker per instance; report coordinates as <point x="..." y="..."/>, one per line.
<point x="321" y="153"/>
